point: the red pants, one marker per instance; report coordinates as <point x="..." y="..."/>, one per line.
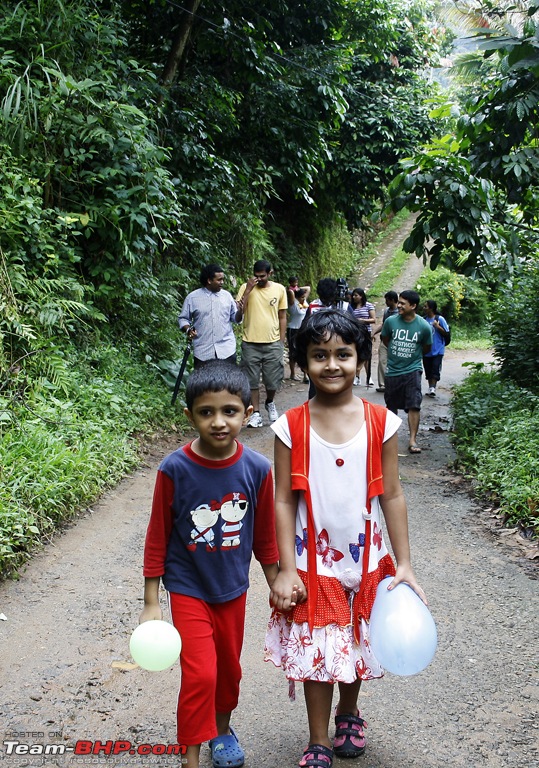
<point x="212" y="639"/>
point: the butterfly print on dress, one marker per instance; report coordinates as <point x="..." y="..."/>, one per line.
<point x="329" y="554"/>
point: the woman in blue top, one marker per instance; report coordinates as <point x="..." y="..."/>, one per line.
<point x="432" y="361"/>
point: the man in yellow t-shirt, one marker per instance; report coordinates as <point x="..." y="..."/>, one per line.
<point x="263" y="304"/>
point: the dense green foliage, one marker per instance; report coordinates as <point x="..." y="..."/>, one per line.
<point x="496" y="436"/>
<point x="62" y="444"/>
<point x="462" y="300"/>
<point x="305" y="109"/>
<point x="477" y="188"/>
<point x="88" y="204"/>
<point x="515" y="329"/>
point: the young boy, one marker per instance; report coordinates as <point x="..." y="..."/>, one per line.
<point x="212" y="509"/>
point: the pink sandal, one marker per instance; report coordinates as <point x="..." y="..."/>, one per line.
<point x="317" y="756"/>
<point x="349" y="738"/>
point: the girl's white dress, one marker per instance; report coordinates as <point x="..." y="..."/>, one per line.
<point x="338" y="485"/>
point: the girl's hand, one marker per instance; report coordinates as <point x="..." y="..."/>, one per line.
<point x="405" y="574"/>
<point x="287" y="591"/>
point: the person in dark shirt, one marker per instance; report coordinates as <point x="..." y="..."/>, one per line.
<point x="213" y="507"/>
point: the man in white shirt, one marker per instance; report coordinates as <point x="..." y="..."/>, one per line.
<point x="207" y="316"/>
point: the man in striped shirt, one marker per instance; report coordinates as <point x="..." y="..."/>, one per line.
<point x="207" y="316"/>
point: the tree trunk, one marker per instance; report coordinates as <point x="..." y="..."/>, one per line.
<point x="179" y="43"/>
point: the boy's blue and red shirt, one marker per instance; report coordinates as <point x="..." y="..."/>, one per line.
<point x="208" y="518"/>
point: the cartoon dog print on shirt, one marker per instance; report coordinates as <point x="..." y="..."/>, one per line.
<point x="204" y="518"/>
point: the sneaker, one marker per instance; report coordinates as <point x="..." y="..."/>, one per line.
<point x="273" y="414"/>
<point x="432" y="392"/>
<point x="370" y="383"/>
<point x="356" y="381"/>
<point x="255" y="420"/>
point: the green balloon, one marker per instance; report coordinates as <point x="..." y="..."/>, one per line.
<point x="155" y="645"/>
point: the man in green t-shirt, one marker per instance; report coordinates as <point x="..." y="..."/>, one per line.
<point x="407" y="337"/>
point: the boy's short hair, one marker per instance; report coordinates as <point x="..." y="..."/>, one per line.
<point x="391" y="295"/>
<point x="412" y="297"/>
<point x="327" y="290"/>
<point x="217" y="376"/>
<point x="431" y="304"/>
<point x="331" y="322"/>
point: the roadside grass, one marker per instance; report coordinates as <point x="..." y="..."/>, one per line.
<point x="388" y="278"/>
<point x="496" y="439"/>
<point x="62" y="446"/>
<point x="465" y="337"/>
<point x="372" y="249"/>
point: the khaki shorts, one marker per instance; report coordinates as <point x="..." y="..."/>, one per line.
<point x="265" y="359"/>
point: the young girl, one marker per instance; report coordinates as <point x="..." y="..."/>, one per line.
<point x="365" y="313"/>
<point x="336" y="466"/>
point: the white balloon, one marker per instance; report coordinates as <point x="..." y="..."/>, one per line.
<point x="155" y="645"/>
<point x="402" y="631"/>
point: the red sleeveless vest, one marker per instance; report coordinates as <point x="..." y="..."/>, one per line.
<point x="299" y="425"/>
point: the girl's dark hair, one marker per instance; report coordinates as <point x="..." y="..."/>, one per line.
<point x="360" y="292"/>
<point x="323" y="324"/>
<point x="217" y="376"/>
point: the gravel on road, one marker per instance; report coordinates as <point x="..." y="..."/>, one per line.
<point x="67" y="674"/>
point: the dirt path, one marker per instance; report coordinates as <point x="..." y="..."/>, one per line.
<point x="68" y="619"/>
<point x="382" y="257"/>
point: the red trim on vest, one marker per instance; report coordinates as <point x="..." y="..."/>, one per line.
<point x="299" y="426"/>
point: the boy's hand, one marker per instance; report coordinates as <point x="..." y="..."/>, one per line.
<point x="150" y="613"/>
<point x="287" y="591"/>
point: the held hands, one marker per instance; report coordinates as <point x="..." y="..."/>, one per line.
<point x="287" y="591"/>
<point x="406" y="574"/>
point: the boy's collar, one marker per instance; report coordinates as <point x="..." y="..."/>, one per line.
<point x="213" y="463"/>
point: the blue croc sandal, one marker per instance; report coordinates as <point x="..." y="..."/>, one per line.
<point x="226" y="751"/>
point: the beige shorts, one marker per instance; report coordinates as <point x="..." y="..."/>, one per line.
<point x="265" y="359"/>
